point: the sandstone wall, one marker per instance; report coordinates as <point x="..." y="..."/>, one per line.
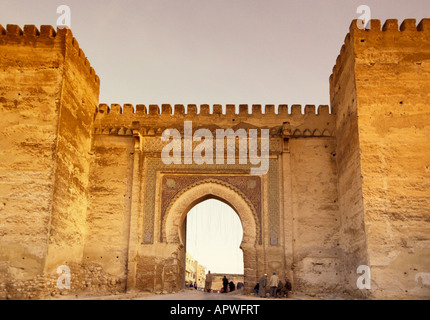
<point x="108" y="218"/>
<point x="150" y="121"/>
<point x="315" y="216"/>
<point x="46" y="115"/>
<point x="159" y="265"/>
<point x="85" y="279"/>
<point x="380" y="94"/>
<point x="217" y="284"/>
<point x="30" y="89"/>
<point x="344" y="106"/>
<point x="393" y="103"/>
<point x="78" y="104"/>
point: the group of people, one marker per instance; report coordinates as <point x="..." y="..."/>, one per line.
<point x="227" y="286"/>
<point x="193" y="285"/>
<point x="277" y="288"/>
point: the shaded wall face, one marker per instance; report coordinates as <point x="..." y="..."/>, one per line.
<point x="79" y="100"/>
<point x="393" y="99"/>
<point x="316" y="236"/>
<point x="108" y="217"/>
<point x="352" y="228"/>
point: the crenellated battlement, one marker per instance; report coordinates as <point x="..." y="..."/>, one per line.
<point x="393" y="25"/>
<point x="387" y="33"/>
<point x="282" y="120"/>
<point x="205" y="109"/>
<point x="48" y="36"/>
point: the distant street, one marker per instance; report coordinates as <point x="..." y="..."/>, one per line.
<point x="198" y="295"/>
<point x="186" y="294"/>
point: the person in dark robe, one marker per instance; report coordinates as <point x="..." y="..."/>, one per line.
<point x="287" y="286"/>
<point x="279" y="289"/>
<point x="257" y="286"/>
<point x="225" y="284"/>
<point x="231" y="286"/>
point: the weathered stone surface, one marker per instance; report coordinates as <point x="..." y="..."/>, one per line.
<point x="83" y="185"/>
<point x="384" y="90"/>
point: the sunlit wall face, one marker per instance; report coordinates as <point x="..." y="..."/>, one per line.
<point x="214" y="235"/>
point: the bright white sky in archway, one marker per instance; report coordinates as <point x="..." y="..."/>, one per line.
<point x="214" y="234"/>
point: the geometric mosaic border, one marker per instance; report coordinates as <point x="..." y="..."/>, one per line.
<point x="152" y="165"/>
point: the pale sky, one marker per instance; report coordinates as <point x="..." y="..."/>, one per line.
<point x="214" y="235"/>
<point x="211" y="51"/>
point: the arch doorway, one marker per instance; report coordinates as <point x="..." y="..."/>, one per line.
<point x="174" y="225"/>
<point x="214" y="234"/>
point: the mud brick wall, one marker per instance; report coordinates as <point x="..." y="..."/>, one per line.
<point x="87" y="279"/>
<point x="317" y="252"/>
<point x="344" y="107"/>
<point x="49" y="95"/>
<point x="108" y="217"/>
<point x="380" y="94"/>
<point x="30" y="89"/>
<point x="393" y="103"/>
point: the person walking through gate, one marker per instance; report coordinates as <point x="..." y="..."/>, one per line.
<point x="208" y="282"/>
<point x="225" y="284"/>
<point x="273" y="283"/>
<point x="262" y="286"/>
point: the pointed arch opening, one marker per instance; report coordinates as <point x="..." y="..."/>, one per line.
<point x="174" y="224"/>
<point x="214" y="234"/>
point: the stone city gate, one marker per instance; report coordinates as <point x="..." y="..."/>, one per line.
<point x="163" y="194"/>
<point x="83" y="184"/>
<point x="158" y="196"/>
